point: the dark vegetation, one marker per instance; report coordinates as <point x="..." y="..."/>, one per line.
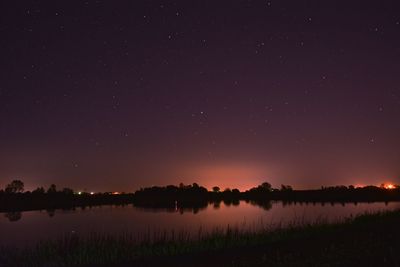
<point x="188" y="195"/>
<point x="185" y="197"/>
<point x="14" y="199"/>
<point x="366" y="240"/>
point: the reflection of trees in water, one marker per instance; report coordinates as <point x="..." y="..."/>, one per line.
<point x="181" y="207"/>
<point x="51" y="212"/>
<point x="227" y="202"/>
<point x="322" y="203"/>
<point x="264" y="204"/>
<point x="216" y="205"/>
<point x="13" y="216"/>
<point x="195" y="208"/>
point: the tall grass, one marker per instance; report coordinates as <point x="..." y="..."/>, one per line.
<point x="105" y="249"/>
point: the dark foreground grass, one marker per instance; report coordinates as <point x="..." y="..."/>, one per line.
<point x="366" y="240"/>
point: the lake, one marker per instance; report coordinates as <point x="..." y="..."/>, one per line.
<point x="27" y="228"/>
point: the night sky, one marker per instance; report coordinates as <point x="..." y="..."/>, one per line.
<point x="118" y="95"/>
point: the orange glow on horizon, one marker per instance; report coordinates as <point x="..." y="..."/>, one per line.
<point x="240" y="176"/>
<point x="389" y="186"/>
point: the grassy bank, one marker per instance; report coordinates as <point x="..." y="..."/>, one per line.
<point x="367" y="240"/>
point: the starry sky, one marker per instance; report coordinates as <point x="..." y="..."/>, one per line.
<point x="118" y="95"/>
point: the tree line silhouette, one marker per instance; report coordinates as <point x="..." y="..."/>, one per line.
<point x="14" y="198"/>
<point x="183" y="197"/>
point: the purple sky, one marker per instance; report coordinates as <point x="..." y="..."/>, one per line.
<point x="106" y="95"/>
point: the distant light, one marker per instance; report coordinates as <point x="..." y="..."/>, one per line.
<point x="92" y="193"/>
<point x="79" y="193"/>
<point x="116" y="193"/>
<point x="389" y="186"/>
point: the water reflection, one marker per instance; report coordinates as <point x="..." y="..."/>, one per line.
<point x="197" y="207"/>
<point x="13" y="216"/>
<point x="51" y="212"/>
<point x="189" y="218"/>
<point x="265" y="205"/>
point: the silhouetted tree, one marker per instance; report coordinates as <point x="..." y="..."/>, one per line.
<point x="215" y="189"/>
<point x="52" y="189"/>
<point x="286" y="188"/>
<point x="39" y="190"/>
<point x="262" y="188"/>
<point x="236" y="191"/>
<point x="68" y="191"/>
<point x="266" y="186"/>
<point x="15" y="186"/>
<point x="227" y="190"/>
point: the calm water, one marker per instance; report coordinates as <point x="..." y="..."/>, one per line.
<point x="29" y="227"/>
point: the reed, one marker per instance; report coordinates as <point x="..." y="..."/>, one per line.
<point x="104" y="249"/>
